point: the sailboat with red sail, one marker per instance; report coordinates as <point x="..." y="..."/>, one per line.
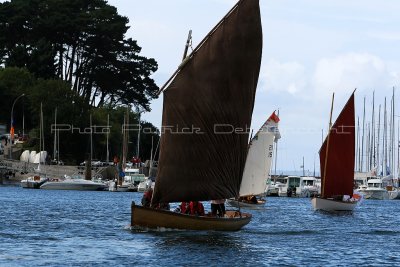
<point x="207" y="109"/>
<point x="337" y="156"/>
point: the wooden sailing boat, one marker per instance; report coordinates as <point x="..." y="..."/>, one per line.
<point x="337" y="156"/>
<point x="208" y="104"/>
<point x="258" y="165"/>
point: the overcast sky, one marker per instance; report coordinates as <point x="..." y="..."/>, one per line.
<point x="311" y="49"/>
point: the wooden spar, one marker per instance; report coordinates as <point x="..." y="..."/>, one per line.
<point x="327" y="147"/>
<point x="187" y="45"/>
<point x="198" y="47"/>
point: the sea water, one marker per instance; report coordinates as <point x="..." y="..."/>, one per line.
<point x="76" y="228"/>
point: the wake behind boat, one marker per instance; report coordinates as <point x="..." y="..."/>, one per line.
<point x="337" y="156"/>
<point x="211" y="93"/>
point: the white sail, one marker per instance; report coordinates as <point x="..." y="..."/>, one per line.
<point x="25" y="156"/>
<point x="259" y="158"/>
<point x="32" y="157"/>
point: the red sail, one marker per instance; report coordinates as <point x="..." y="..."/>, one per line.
<point x="338" y="173"/>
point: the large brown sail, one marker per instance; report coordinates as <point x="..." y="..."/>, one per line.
<point x="207" y="110"/>
<point x="338" y="173"/>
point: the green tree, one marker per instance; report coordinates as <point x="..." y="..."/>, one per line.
<point x="80" y="42"/>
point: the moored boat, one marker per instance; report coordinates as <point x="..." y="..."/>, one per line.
<point x="374" y="190"/>
<point x="33" y="182"/>
<point x="73" y="184"/>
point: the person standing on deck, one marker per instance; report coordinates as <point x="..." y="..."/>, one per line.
<point x="218" y="207"/>
<point x="196" y="208"/>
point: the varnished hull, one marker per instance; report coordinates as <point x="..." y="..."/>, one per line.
<point x="332" y="205"/>
<point x="155" y="218"/>
<point x="259" y="205"/>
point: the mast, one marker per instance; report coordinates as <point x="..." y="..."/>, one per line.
<point x="362" y="141"/>
<point x="358" y="158"/>
<point x="151" y="156"/>
<point x="373" y="155"/>
<point x="367" y="148"/>
<point x="276" y="154"/>
<point x="314" y="165"/>
<point x="138" y="137"/>
<point x="384" y="141"/>
<point x="125" y="140"/>
<point x="40" y="136"/>
<point x="58" y="147"/>
<point x="88" y="172"/>
<point x="393" y="137"/>
<point x="398" y="152"/>
<point x="23" y="118"/>
<point x="378" y="142"/>
<point x="91" y="139"/>
<point x="206" y="39"/>
<point x="327" y="147"/>
<point x="55" y="136"/>
<point x="108" y="133"/>
<point x="390" y="146"/>
<point x="42" y="129"/>
<point x="189" y="39"/>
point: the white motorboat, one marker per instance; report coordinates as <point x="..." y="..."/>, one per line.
<point x="74" y="184"/>
<point x="33" y="182"/>
<point x="374" y="190"/>
<point x="393" y="192"/>
<point x="272" y="189"/>
<point x="309" y="186"/>
<point x="146" y="184"/>
<point x="131" y="181"/>
<point x="296" y="186"/>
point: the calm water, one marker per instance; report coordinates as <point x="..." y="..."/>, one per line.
<point x="57" y="228"/>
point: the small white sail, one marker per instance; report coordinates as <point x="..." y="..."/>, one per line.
<point x="259" y="158"/>
<point x="32" y="157"/>
<point x="25" y="156"/>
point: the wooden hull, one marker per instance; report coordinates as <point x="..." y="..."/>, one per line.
<point x="234" y="203"/>
<point x="332" y="205"/>
<point x="155" y="218"/>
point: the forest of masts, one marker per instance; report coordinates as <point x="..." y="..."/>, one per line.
<point x="377" y="140"/>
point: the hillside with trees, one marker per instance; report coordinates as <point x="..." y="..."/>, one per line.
<point x="73" y="56"/>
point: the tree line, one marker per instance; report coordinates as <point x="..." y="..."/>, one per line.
<point x="73" y="55"/>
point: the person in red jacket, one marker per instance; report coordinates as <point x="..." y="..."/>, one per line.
<point x="183" y="208"/>
<point x="196" y="208"/>
<point x="146" y="199"/>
